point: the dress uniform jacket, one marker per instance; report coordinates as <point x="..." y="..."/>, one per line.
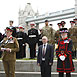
<point x="73" y="33"/>
<point x="13" y="45"/>
<point x="57" y="36"/>
<point x="73" y="36"/>
<point x="66" y="65"/>
<point x="32" y="40"/>
<point x="22" y="39"/>
<point x="33" y="36"/>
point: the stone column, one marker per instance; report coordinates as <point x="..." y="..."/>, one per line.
<point x="26" y="27"/>
<point x="75" y="8"/>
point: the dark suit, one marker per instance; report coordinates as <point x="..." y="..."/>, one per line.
<point x="44" y="65"/>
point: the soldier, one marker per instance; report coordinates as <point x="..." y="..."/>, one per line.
<point x="57" y="34"/>
<point x="9" y="46"/>
<point x="17" y="29"/>
<point x="50" y="25"/>
<point x="33" y="39"/>
<point x="73" y="36"/>
<point x="70" y="35"/>
<point x="49" y="32"/>
<point x="14" y="29"/>
<point x="1" y="37"/>
<point x="75" y="20"/>
<point x="63" y="23"/>
<point x="40" y="38"/>
<point x="64" y="54"/>
<point x="22" y="40"/>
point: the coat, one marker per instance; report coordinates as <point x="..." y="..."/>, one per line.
<point x="13" y="45"/>
<point x="66" y="65"/>
<point x="48" y="54"/>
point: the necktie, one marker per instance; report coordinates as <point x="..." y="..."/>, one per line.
<point x="44" y="50"/>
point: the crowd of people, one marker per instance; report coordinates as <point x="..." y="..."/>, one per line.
<point x="64" y="41"/>
<point x="33" y="36"/>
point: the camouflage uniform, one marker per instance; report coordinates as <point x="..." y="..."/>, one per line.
<point x="49" y="32"/>
<point x="57" y="36"/>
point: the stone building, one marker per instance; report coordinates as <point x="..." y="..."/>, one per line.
<point x="23" y="14"/>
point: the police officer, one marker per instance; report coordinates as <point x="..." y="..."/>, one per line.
<point x="64" y="54"/>
<point x="22" y="40"/>
<point x="57" y="34"/>
<point x="13" y="28"/>
<point x="49" y="32"/>
<point x="9" y="46"/>
<point x="33" y="39"/>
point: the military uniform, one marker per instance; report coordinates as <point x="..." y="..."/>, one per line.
<point x="49" y="33"/>
<point x="9" y="58"/>
<point x="40" y="40"/>
<point x="33" y="39"/>
<point x="63" y="23"/>
<point x="57" y="33"/>
<point x="73" y="36"/>
<point x="14" y="31"/>
<point x="1" y="37"/>
<point x="64" y="55"/>
<point x="22" y="39"/>
<point x="57" y="36"/>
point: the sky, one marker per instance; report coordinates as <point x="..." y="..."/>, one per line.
<point x="9" y="9"/>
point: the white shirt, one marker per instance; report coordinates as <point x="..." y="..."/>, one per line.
<point x="45" y="47"/>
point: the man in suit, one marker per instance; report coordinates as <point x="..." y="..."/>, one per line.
<point x="9" y="46"/>
<point x="45" y="57"/>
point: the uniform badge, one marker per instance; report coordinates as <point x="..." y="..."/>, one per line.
<point x="12" y="41"/>
<point x="66" y="41"/>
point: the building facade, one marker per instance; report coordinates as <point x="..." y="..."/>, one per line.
<point x="23" y="14"/>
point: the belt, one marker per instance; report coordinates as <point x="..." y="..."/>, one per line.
<point x="32" y="35"/>
<point x="40" y="39"/>
<point x="19" y="38"/>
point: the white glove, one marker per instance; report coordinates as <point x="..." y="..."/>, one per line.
<point x="62" y="57"/>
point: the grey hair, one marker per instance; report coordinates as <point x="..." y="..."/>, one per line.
<point x="44" y="37"/>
